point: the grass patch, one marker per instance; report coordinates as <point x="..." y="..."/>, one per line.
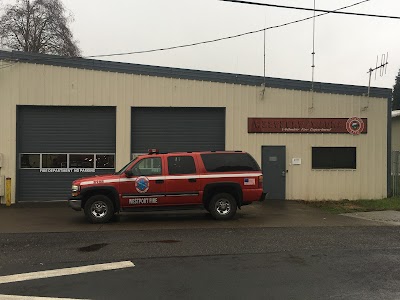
<point x="346" y="206"/>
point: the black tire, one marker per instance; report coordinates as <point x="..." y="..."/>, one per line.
<point x="222" y="206"/>
<point x="99" y="209"/>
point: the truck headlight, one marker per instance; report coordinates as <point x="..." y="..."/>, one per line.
<point x="75" y="190"/>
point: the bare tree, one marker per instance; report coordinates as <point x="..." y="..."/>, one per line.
<point x="39" y="26"/>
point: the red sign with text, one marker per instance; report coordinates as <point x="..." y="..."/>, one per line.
<point x="352" y="125"/>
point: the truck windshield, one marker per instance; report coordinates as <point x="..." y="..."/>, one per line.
<point x="125" y="167"/>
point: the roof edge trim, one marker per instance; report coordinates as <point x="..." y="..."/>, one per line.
<point x="128" y="68"/>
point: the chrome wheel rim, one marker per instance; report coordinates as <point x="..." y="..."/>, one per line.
<point x="223" y="206"/>
<point x="98" y="209"/>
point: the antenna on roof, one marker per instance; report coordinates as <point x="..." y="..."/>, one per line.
<point x="264" y="42"/>
<point x="382" y="68"/>
<point x="310" y="108"/>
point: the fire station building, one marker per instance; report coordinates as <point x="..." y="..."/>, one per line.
<point x="64" y="118"/>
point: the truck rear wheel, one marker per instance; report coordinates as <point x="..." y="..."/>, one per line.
<point x="99" y="209"/>
<point x="222" y="206"/>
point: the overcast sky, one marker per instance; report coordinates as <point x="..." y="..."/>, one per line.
<point x="346" y="46"/>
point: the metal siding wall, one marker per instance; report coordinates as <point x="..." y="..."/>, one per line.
<point x="368" y="181"/>
<point x="177" y="129"/>
<point x="48" y="85"/>
<point x="47" y="129"/>
<point x="8" y="89"/>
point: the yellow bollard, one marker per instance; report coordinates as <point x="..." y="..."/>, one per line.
<point x="8" y="191"/>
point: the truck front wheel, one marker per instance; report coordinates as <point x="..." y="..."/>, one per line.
<point x="222" y="206"/>
<point x="99" y="209"/>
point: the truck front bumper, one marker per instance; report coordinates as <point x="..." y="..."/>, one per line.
<point x="75" y="203"/>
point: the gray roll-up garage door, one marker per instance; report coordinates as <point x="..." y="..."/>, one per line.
<point x="57" y="144"/>
<point x="170" y="129"/>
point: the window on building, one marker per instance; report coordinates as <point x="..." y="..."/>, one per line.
<point x="81" y="160"/>
<point x="105" y="161"/>
<point x="334" y="158"/>
<point x="178" y="165"/>
<point x="148" y="167"/>
<point x="30" y="161"/>
<point x="65" y="160"/>
<point x="229" y="162"/>
<point x="54" y="160"/>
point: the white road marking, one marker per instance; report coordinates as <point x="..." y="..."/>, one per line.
<point x="15" y="297"/>
<point x="65" y="272"/>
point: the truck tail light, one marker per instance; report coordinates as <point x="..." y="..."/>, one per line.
<point x="260" y="181"/>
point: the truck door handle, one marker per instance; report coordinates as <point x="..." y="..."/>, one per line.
<point x="192" y="179"/>
<point x="159" y="181"/>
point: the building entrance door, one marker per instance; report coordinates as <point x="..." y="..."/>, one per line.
<point x="274" y="171"/>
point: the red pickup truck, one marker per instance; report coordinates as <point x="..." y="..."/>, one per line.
<point x="218" y="181"/>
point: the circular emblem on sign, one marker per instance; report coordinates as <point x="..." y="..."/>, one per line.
<point x="142" y="184"/>
<point x="355" y="125"/>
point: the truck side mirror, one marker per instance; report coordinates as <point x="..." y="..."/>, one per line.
<point x="129" y="173"/>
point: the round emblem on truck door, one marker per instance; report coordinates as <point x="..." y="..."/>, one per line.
<point x="142" y="184"/>
<point x="355" y="125"/>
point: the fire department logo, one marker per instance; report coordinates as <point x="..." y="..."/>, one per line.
<point x="142" y="184"/>
<point x="355" y="126"/>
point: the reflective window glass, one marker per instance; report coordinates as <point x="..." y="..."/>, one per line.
<point x="229" y="162"/>
<point x="334" y="158"/>
<point x="54" y="160"/>
<point x="147" y="167"/>
<point x="30" y="161"/>
<point x="105" y="161"/>
<point x="81" y="160"/>
<point x="178" y="165"/>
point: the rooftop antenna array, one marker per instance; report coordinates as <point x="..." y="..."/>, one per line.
<point x="313" y="53"/>
<point x="382" y="68"/>
<point x="313" y="62"/>
<point x="263" y="85"/>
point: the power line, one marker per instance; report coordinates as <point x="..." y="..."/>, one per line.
<point x="311" y="9"/>
<point x="213" y="40"/>
<point x="223" y="38"/>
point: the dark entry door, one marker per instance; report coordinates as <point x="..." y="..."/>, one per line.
<point x="274" y="171"/>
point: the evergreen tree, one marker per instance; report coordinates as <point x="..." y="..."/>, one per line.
<point x="396" y="93"/>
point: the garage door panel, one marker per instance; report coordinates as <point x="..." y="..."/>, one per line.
<point x="66" y="129"/>
<point x="172" y="129"/>
<point x="37" y="187"/>
<point x="60" y="130"/>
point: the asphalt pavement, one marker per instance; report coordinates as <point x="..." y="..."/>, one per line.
<point x="58" y="217"/>
<point x="342" y="262"/>
<point x="270" y="250"/>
